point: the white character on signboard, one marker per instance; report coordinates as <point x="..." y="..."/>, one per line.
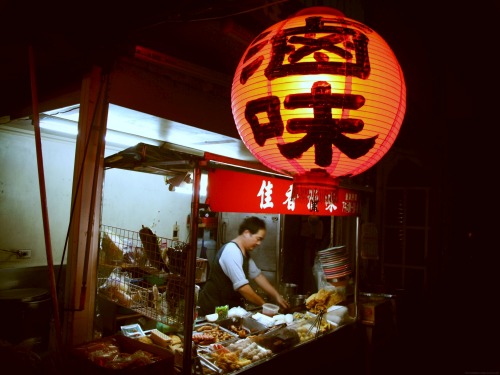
<point x="265" y="194"/>
<point x="312" y="200"/>
<point x="289" y="201"/>
<point x="330" y="206"/>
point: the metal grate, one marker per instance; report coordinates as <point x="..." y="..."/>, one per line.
<point x="145" y="273"/>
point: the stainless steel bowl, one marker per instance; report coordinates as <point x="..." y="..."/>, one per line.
<point x="298" y="300"/>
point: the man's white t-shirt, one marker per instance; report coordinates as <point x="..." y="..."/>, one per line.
<point x="231" y="261"/>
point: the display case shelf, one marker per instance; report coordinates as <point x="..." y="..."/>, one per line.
<point x="145" y="273"/>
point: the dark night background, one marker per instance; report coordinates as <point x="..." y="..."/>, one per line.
<point x="463" y="79"/>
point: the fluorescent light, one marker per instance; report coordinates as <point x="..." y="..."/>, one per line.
<point x="66" y="127"/>
<point x="59" y="126"/>
<point x="127" y="140"/>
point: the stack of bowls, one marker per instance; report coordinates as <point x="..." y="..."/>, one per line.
<point x="335" y="262"/>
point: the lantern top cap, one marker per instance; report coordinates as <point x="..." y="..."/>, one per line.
<point x="319" y="10"/>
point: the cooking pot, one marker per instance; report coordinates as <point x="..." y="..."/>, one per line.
<point x="298" y="300"/>
<point x="25" y="313"/>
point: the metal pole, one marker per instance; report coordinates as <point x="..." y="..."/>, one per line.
<point x="189" y="302"/>
<point x="43" y="199"/>
<point x="356" y="276"/>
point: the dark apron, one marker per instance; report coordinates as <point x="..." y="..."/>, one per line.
<point x="218" y="290"/>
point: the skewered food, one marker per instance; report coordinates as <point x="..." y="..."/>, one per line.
<point x="203" y="339"/>
<point x="208" y="334"/>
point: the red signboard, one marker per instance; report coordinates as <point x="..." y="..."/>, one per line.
<point x="230" y="191"/>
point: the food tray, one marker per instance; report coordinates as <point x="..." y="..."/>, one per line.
<point x="279" y="339"/>
<point x="208" y="367"/>
<point x="235" y="355"/>
<point x="330" y="324"/>
<point x="307" y="330"/>
<point x="246" y="323"/>
<point x="203" y="332"/>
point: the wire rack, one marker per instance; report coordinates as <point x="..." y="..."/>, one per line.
<point x="145" y="273"/>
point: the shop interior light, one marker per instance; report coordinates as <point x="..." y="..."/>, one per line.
<point x="59" y="126"/>
<point x="69" y="128"/>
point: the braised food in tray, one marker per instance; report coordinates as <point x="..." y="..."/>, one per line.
<point x="242" y="326"/>
<point x="210" y="333"/>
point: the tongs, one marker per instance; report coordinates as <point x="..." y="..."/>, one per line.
<point x="317" y="324"/>
<point x="270" y="329"/>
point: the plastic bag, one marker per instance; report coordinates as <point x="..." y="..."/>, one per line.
<point x="319" y="274"/>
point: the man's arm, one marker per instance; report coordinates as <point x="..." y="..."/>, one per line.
<point x="264" y="283"/>
<point x="249" y="294"/>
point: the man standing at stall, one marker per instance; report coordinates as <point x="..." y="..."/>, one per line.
<point x="228" y="282"/>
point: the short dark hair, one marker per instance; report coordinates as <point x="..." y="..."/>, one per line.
<point x="253" y="224"/>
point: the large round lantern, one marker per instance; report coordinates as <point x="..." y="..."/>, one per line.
<point x="318" y="96"/>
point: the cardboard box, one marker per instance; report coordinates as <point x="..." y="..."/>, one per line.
<point x="80" y="362"/>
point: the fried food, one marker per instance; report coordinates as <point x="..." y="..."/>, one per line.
<point x="323" y="299"/>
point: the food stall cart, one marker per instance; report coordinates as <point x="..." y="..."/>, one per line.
<point x="162" y="289"/>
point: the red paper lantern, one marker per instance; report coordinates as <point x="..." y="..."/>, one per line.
<point x="318" y="96"/>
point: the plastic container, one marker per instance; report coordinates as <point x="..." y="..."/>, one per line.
<point x="337" y="314"/>
<point x="270" y="309"/>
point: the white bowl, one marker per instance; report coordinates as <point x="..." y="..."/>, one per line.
<point x="212" y="317"/>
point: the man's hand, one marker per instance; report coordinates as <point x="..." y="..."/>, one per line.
<point x="282" y="302"/>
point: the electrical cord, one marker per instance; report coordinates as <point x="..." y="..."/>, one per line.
<point x="17" y="252"/>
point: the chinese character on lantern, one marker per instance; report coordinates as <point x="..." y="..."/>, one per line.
<point x="318" y="96"/>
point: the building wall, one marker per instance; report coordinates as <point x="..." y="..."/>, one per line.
<point x="130" y="199"/>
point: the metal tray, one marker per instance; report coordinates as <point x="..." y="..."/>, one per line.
<point x="209" y="365"/>
<point x="221" y="334"/>
<point x="247" y="323"/>
<point x="245" y="358"/>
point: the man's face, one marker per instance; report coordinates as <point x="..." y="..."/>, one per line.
<point x="254" y="240"/>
